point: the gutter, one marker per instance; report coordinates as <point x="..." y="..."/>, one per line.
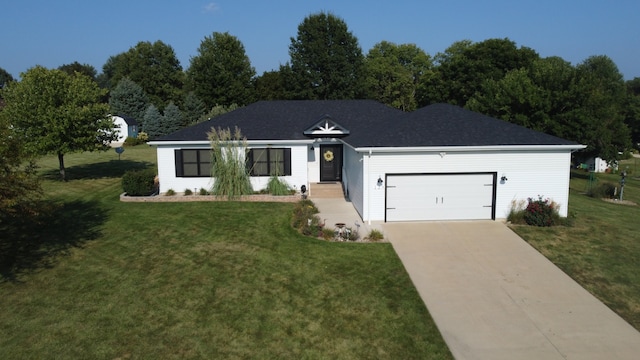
<point x="468" y="148"/>
<point x="249" y="142"/>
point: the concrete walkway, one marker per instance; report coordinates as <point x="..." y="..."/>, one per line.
<point x="495" y="297"/>
<point x="339" y="210"/>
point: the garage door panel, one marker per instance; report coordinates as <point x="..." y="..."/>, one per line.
<point x="440" y="197"/>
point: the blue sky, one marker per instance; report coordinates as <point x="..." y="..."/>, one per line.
<point x="53" y="33"/>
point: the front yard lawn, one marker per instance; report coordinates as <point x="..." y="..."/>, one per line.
<point x="102" y="279"/>
<point x="601" y="251"/>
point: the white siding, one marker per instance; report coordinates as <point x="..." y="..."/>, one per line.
<point x="529" y="174"/>
<point x="169" y="180"/>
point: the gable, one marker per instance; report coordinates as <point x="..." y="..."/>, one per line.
<point x="326" y="127"/>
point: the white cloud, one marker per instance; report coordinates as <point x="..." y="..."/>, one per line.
<point x="211" y="7"/>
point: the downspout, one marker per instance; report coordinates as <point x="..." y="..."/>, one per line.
<point x="368" y="191"/>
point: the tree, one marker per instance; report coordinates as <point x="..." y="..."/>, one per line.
<point x="152" y="122"/>
<point x="271" y="86"/>
<point x="19" y="186"/>
<point x="532" y="97"/>
<point x="154" y="67"/>
<point x="84" y="69"/>
<point x="128" y="98"/>
<point x="632" y="110"/>
<point x="218" y="110"/>
<point x="54" y="113"/>
<point x="221" y="73"/>
<point x="597" y="117"/>
<point x="465" y="65"/>
<point x="194" y="109"/>
<point x="172" y="119"/>
<point x="395" y="72"/>
<point x="5" y="78"/>
<point x="326" y="60"/>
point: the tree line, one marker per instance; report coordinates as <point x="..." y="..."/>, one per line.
<point x="589" y="103"/>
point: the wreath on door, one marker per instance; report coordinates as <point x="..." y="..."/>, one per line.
<point x="328" y="155"/>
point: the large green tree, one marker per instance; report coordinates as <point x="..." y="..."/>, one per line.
<point x="585" y="104"/>
<point x="533" y="97"/>
<point x="221" y="73"/>
<point x="84" y="69"/>
<point x="464" y="66"/>
<point x="128" y="98"/>
<point x="326" y="60"/>
<point x="597" y="115"/>
<point x="394" y="74"/>
<point x="55" y="113"/>
<point x="153" y="66"/>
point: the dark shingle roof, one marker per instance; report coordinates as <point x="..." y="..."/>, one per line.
<point x="371" y="124"/>
<point x="129" y="120"/>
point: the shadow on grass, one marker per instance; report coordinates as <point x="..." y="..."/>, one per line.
<point x="580" y="174"/>
<point x="106" y="169"/>
<point x="30" y="242"/>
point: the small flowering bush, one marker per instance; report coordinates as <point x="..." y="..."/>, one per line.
<point x="305" y="218"/>
<point x="541" y="212"/>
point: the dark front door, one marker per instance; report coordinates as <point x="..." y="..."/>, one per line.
<point x="330" y="162"/>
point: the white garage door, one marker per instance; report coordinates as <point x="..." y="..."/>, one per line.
<point x="414" y="197"/>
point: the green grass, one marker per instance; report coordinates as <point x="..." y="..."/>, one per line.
<point x="102" y="279"/>
<point x="601" y="251"/>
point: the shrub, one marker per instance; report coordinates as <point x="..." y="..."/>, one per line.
<point x="139" y="182"/>
<point x="305" y="219"/>
<point x="326" y="233"/>
<point x="603" y="190"/>
<point x="375" y="235"/>
<point x="188" y="192"/>
<point x="170" y="192"/>
<point x="541" y="212"/>
<point x="130" y="141"/>
<point x="143" y="137"/>
<point x="203" y="191"/>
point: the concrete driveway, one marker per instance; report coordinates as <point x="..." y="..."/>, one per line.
<point x="494" y="297"/>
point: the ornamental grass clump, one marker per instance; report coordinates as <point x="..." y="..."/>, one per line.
<point x="278" y="187"/>
<point x="228" y="151"/>
<point x="541" y="212"/>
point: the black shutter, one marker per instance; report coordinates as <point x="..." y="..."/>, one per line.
<point x="178" y="157"/>
<point x="287" y="161"/>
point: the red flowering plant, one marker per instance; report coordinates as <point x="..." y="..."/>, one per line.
<point x="541" y="212"/>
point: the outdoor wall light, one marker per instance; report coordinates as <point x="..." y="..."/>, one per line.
<point x="380" y="181"/>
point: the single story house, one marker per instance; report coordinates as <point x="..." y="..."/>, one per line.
<point x="125" y="127"/>
<point x="440" y="162"/>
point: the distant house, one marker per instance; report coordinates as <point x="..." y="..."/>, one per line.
<point x="125" y="127"/>
<point x="440" y="162"/>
